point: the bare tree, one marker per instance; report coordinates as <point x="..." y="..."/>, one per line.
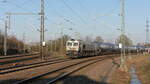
<point x="124" y="39"/>
<point x="98" y="39"/>
<point x="88" y="39"/>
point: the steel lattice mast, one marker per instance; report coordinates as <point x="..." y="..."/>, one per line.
<point x="147" y="31"/>
<point x="123" y="55"/>
<point x="42" y="30"/>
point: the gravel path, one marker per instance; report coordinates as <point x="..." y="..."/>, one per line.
<point x="98" y="73"/>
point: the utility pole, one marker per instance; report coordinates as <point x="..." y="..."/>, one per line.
<point x="147" y="31"/>
<point x="5" y="35"/>
<point x="24" y="39"/>
<point x="62" y="41"/>
<point x="7" y="25"/>
<point x="51" y="48"/>
<point x="42" y="43"/>
<point x="55" y="43"/>
<point x="123" y="58"/>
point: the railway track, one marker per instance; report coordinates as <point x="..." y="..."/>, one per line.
<point x="18" y="59"/>
<point x="15" y="56"/>
<point x="16" y="68"/>
<point x="32" y="65"/>
<point x="71" y="69"/>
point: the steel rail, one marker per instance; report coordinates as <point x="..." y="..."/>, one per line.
<point x="11" y="67"/>
<point x="53" y="71"/>
<point x="34" y="65"/>
<point x="75" y="70"/>
<point x="17" y="60"/>
<point x="15" y="56"/>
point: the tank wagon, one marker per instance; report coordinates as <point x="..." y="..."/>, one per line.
<point x="108" y="48"/>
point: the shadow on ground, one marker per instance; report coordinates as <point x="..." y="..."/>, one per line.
<point x="79" y="79"/>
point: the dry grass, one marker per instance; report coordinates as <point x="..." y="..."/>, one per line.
<point x="120" y="77"/>
<point x="143" y="70"/>
<point x="58" y="54"/>
<point x="142" y="63"/>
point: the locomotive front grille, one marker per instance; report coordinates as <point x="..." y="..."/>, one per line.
<point x="71" y="52"/>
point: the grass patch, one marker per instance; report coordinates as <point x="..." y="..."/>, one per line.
<point x="120" y="77"/>
<point x="142" y="63"/>
<point x="144" y="71"/>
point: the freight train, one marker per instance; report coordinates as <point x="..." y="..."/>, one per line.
<point x="78" y="48"/>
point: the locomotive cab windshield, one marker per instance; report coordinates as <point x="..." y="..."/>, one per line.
<point x="75" y="44"/>
<point x="69" y="44"/>
<point x="72" y="44"/>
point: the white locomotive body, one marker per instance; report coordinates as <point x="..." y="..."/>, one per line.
<point x="78" y="48"/>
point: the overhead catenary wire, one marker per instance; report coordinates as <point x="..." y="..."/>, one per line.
<point x="66" y="19"/>
<point x="84" y="7"/>
<point x="73" y="11"/>
<point x="18" y="6"/>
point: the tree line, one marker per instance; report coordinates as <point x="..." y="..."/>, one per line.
<point x="14" y="45"/>
<point x="58" y="45"/>
<point x="55" y="46"/>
